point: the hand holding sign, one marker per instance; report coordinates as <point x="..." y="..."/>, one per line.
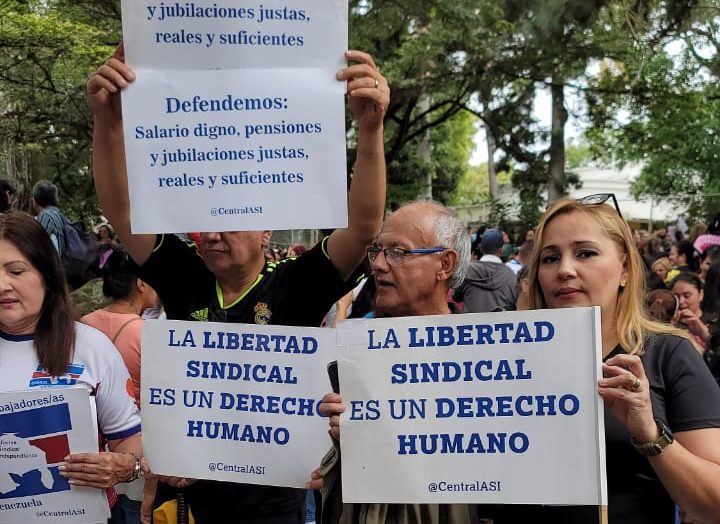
<point x="332" y="406"/>
<point x="368" y="90"/>
<point x="104" y="86"/>
<point x="98" y="470"/>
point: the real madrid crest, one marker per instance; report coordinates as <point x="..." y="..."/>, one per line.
<point x="262" y="313"/>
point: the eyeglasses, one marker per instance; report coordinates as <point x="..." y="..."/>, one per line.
<point x="600" y="198"/>
<point x="396" y="255"/>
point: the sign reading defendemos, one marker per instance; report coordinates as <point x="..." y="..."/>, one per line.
<point x="236" y="120"/>
<point x="476" y="408"/>
<point x="38" y="429"/>
<point x="235" y="402"/>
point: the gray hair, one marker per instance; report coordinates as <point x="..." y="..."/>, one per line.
<point x="450" y="232"/>
<point x="45" y="193"/>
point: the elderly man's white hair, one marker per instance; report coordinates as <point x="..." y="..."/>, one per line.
<point x="450" y="232"/>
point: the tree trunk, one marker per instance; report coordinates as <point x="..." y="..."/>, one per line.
<point x="17" y="168"/>
<point x="492" y="174"/>
<point x="424" y="151"/>
<point x="556" y="181"/>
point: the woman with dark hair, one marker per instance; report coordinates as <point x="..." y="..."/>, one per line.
<point x="688" y="288"/>
<point x="121" y="322"/>
<point x="682" y="256"/>
<point x="38" y="334"/>
<point x="710" y="303"/>
<point x="709" y="256"/>
<point x="8" y="195"/>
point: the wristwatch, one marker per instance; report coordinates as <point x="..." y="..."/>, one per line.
<point x="655" y="447"/>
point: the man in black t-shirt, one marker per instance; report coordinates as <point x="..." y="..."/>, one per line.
<point x="232" y="282"/>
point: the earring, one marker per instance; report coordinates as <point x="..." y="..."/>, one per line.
<point x="623" y="283"/>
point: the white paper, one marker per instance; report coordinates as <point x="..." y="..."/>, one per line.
<point x="259" y="424"/>
<point x="411" y="439"/>
<point x="38" y="428"/>
<point x="236" y="120"/>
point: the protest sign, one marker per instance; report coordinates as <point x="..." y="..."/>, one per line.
<point x="236" y="120"/>
<point x="477" y="408"/>
<point x="38" y="429"/>
<point x="234" y="402"/>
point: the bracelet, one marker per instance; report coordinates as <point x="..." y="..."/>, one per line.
<point x="137" y="470"/>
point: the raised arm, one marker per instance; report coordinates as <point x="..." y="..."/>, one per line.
<point x="109" y="171"/>
<point x="369" y="97"/>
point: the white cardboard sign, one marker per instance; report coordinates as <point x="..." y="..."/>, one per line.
<point x="236" y="120"/>
<point x="234" y="402"/>
<point x="476" y="408"/>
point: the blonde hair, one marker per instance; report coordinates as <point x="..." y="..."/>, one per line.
<point x="663" y="262"/>
<point x="633" y="323"/>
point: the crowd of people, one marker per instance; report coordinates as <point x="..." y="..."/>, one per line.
<point x="659" y="297"/>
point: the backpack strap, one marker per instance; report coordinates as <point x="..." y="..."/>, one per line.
<point x="117" y="333"/>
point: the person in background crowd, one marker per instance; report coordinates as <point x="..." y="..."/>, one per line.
<point x="105" y="236"/>
<point x="688" y="288"/>
<point x="121" y="322"/>
<point x="708" y="257"/>
<point x="420" y="253"/>
<point x="530" y="235"/>
<point x="234" y="283"/>
<point x="696" y="230"/>
<point x="523" y="301"/>
<point x="296" y="250"/>
<point x="642" y="240"/>
<point x="662" y="406"/>
<point x="489" y="284"/>
<point x="45" y="202"/>
<point x="711" y="236"/>
<point x="520" y="259"/>
<point x="662" y="305"/>
<point x="41" y="346"/>
<point x="8" y="196"/>
<point x="710" y="303"/>
<point x="682" y="257"/>
<point x="661" y="267"/>
<point x="475" y="246"/>
<point x="508" y="248"/>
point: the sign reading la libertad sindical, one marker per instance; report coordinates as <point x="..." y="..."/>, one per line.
<point x="235" y="402"/>
<point x="477" y="408"/>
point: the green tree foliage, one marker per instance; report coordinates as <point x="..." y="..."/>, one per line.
<point x="661" y="108"/>
<point x="47" y="50"/>
<point x="445" y="61"/>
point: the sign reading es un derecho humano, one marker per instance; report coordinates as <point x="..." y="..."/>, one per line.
<point x="477" y="408"/>
<point x="235" y="402"/>
<point x="236" y="117"/>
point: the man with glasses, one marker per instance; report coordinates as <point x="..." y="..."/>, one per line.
<point x="421" y="252"/>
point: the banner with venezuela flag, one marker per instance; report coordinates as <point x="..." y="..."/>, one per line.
<point x="38" y="429"/>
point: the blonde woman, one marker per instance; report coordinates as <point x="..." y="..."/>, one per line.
<point x="662" y="420"/>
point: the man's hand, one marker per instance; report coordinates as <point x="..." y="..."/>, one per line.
<point x="368" y="91"/>
<point x="331" y="406"/>
<point x="316" y="480"/>
<point x="105" y="84"/>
